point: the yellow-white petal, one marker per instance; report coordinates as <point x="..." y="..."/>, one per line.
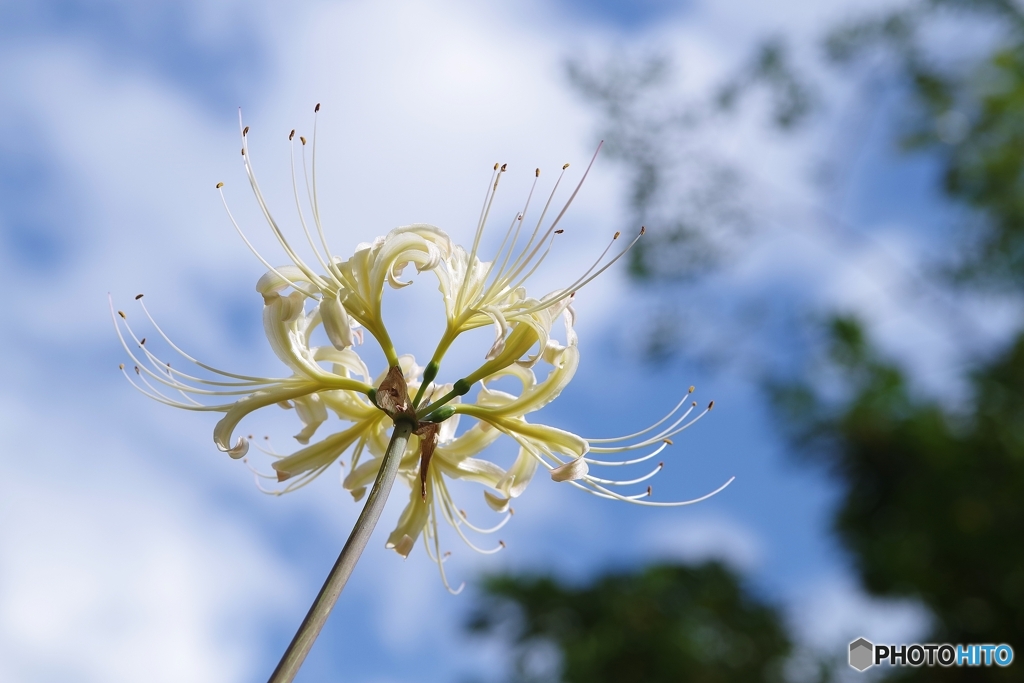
<point x="336" y="322"/>
<point x="321" y="453"/>
<point x="260" y="399"/>
<point x="570" y="471"/>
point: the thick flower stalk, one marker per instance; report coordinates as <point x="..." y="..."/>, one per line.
<point x="401" y="422"/>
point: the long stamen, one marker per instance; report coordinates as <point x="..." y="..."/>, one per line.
<point x="574" y="287"/>
<point x="440" y="560"/>
<point x="621" y="463"/>
<point x="578" y="186"/>
<point x="312" y="193"/>
<point x="533" y="269"/>
<point x="246" y="378"/>
<point x="141" y="365"/>
<point x="599" y="490"/>
<point x="519" y="263"/>
<point x="490" y="266"/>
<point x="176" y="404"/>
<point x="492" y="191"/>
<point x="164" y="376"/>
<point x="265" y="262"/>
<point x="298" y="209"/>
<point x="314" y="278"/>
<point x="463" y="519"/>
<point x="627" y="437"/>
<point x="447" y="512"/>
<point x="294" y="484"/>
<point x="667" y="434"/>
<point x="269" y="450"/>
<point x="499" y="280"/>
<point x="627" y="482"/>
<point x="489" y="530"/>
<point x="156" y="363"/>
<point x="554" y="223"/>
<point x="664" y="434"/>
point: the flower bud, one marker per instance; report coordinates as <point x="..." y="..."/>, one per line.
<point x="337" y="324"/>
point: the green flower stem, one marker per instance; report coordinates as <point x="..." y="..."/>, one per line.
<point x="336" y="580"/>
<point x="461" y="389"/>
<point x="429" y="373"/>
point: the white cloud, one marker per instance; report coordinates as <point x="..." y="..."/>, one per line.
<point x="113" y="571"/>
<point x="698" y="538"/>
<point x="833" y="611"/>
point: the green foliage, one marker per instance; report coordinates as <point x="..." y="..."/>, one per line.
<point x="931" y="507"/>
<point x="662" y="624"/>
<point x="931" y="498"/>
<point x="791" y="99"/>
<point x="967" y="113"/>
<point x="689" y="197"/>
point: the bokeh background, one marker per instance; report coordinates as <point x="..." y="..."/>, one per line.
<point x="831" y="192"/>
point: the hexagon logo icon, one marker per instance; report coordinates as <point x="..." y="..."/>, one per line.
<point x="862" y="654"/>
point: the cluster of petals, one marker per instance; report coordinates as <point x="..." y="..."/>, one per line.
<point x="343" y="298"/>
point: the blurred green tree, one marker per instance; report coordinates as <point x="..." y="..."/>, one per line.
<point x="965" y="107"/>
<point x="931" y="497"/>
<point x="661" y="624"/>
<point x="931" y="504"/>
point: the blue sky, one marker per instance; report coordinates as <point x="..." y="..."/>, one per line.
<point x="134" y="550"/>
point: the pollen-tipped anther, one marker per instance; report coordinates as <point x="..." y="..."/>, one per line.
<point x="138" y="296"/>
<point x="245" y="131"/>
<point x="292" y="134"/>
<point x="316" y="108"/>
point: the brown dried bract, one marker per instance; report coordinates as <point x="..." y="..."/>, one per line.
<point x="427" y="431"/>
<point x="393" y="395"/>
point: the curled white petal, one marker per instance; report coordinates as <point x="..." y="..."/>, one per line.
<point x="570" y="471"/>
<point x="240" y="448"/>
<point x="497" y="503"/>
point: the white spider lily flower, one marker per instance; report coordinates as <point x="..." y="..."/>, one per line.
<point x="343" y="298"/>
